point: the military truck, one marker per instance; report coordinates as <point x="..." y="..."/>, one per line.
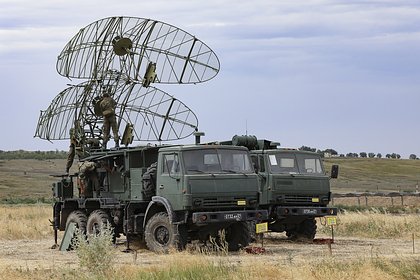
<point x="165" y="196"/>
<point x="294" y="186"/>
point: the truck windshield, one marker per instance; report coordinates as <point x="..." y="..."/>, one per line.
<point x="217" y="161"/>
<point x="295" y="163"/>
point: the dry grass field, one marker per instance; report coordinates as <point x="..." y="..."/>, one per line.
<point x="367" y="245"/>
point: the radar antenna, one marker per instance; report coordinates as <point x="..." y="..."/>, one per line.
<point x="129" y="44"/>
<point x="123" y="56"/>
<point x="154" y="114"/>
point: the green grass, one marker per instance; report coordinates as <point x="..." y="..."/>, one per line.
<point x="372" y="174"/>
<point x="326" y="269"/>
<point x="29" y="181"/>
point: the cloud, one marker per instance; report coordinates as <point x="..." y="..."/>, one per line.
<point x="310" y="73"/>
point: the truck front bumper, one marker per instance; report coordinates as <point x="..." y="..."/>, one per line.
<point x="203" y="218"/>
<point x="286" y="211"/>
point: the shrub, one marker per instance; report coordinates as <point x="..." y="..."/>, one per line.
<point x="96" y="251"/>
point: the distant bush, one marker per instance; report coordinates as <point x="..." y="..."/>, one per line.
<point x="40" y="155"/>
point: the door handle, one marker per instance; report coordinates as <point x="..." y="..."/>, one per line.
<point x="161" y="187"/>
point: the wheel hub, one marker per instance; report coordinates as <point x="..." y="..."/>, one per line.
<point x="162" y="235"/>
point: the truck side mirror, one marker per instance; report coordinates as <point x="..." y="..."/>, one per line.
<point x="334" y="171"/>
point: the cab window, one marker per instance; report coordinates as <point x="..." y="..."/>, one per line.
<point x="170" y="164"/>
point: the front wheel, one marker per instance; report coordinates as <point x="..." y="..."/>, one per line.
<point x="238" y="236"/>
<point x="305" y="230"/>
<point x="161" y="235"/>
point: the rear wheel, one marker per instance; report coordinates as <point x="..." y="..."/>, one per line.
<point x="97" y="220"/>
<point x="161" y="235"/>
<point x="79" y="218"/>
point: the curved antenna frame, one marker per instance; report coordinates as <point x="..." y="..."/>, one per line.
<point x="129" y="44"/>
<point x="154" y="114"/>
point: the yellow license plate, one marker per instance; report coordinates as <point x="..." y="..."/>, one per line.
<point x="315" y="199"/>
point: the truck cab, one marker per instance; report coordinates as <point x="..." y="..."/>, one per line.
<point x="294" y="186"/>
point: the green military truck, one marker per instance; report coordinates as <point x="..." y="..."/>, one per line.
<point x="294" y="186"/>
<point x="163" y="195"/>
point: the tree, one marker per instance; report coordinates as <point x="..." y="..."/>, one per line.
<point x="413" y="156"/>
<point x="331" y="151"/>
<point x="306" y="148"/>
<point x="371" y="155"/>
<point x="388" y="156"/>
<point x="379" y="155"/>
<point x="363" y="154"/>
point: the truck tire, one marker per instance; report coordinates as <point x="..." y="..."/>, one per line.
<point x="252" y="231"/>
<point x="149" y="182"/>
<point x="98" y="219"/>
<point x="305" y="230"/>
<point x="160" y="235"/>
<point x="238" y="236"/>
<point x="79" y="218"/>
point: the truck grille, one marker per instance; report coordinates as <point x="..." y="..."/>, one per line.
<point x="210" y="202"/>
<point x="298" y="199"/>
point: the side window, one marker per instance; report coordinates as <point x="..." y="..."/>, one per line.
<point x="254" y="159"/>
<point x="261" y="163"/>
<point x="170" y="164"/>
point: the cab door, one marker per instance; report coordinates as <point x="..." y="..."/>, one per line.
<point x="259" y="165"/>
<point x="169" y="179"/>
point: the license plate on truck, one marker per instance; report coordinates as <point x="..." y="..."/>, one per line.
<point x="236" y="217"/>
<point x="310" y="211"/>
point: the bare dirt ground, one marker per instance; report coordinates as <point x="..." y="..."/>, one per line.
<point x="36" y="254"/>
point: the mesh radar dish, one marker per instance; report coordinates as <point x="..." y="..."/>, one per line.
<point x="152" y="114"/>
<point x="145" y="50"/>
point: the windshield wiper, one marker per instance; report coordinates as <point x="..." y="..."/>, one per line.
<point x="229" y="171"/>
<point x="196" y="170"/>
<point x="234" y="172"/>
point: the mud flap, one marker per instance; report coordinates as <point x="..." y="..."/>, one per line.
<point x="68" y="235"/>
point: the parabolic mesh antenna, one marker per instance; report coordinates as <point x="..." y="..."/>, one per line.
<point x="154" y="114"/>
<point x="145" y="50"/>
<point x="121" y="57"/>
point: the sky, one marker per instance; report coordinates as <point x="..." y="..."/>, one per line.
<point x="325" y="74"/>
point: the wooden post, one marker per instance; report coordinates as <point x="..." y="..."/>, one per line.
<point x="329" y="248"/>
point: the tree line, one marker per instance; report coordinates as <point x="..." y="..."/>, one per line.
<point x="333" y="152"/>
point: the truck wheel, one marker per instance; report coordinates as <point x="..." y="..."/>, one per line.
<point x="149" y="182"/>
<point x="305" y="230"/>
<point x="97" y="220"/>
<point x="79" y="218"/>
<point x="252" y="231"/>
<point x="238" y="236"/>
<point x="160" y="235"/>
